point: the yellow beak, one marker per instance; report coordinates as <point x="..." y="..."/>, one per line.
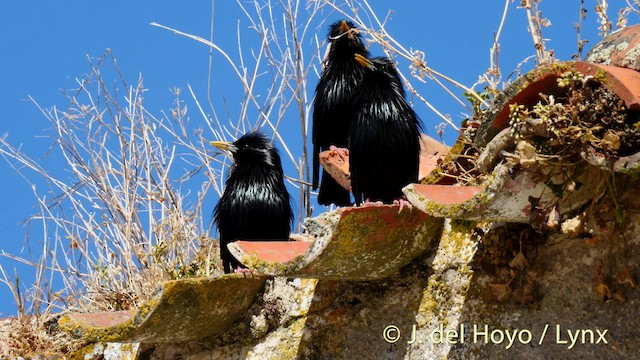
<point x="362" y="60"/>
<point x="223" y="145"/>
<point x="344" y="27"/>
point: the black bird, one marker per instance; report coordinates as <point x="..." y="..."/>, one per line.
<point x="255" y="204"/>
<point x="332" y="107"/>
<point x="384" y="140"/>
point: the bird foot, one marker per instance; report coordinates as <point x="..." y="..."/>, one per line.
<point x="369" y="203"/>
<point x="244" y="271"/>
<point x="342" y="153"/>
<point x="402" y="203"/>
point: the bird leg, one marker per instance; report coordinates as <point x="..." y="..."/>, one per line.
<point x="402" y="203"/>
<point x="342" y="153"/>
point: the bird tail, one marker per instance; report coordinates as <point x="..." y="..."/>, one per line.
<point x="332" y="193"/>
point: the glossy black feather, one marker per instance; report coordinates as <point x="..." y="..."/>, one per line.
<point x="332" y="106"/>
<point x="255" y="204"/>
<point x="384" y="141"/>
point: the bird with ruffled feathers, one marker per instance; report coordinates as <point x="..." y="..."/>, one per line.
<point x="384" y="140"/>
<point x="332" y="113"/>
<point x="255" y="204"/>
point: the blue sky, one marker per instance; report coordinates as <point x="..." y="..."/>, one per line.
<point x="45" y="49"/>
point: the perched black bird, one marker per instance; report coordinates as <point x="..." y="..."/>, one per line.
<point x="332" y="107"/>
<point x="384" y="140"/>
<point x="255" y="204"/>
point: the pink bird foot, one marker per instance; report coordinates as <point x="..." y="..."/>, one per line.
<point x="343" y="153"/>
<point x="369" y="203"/>
<point x="403" y="203"/>
<point x="244" y="271"/>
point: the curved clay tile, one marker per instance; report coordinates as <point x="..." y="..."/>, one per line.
<point x="622" y="81"/>
<point x="180" y="310"/>
<point x="621" y="48"/>
<point x="508" y="195"/>
<point x="525" y="91"/>
<point x="360" y="243"/>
